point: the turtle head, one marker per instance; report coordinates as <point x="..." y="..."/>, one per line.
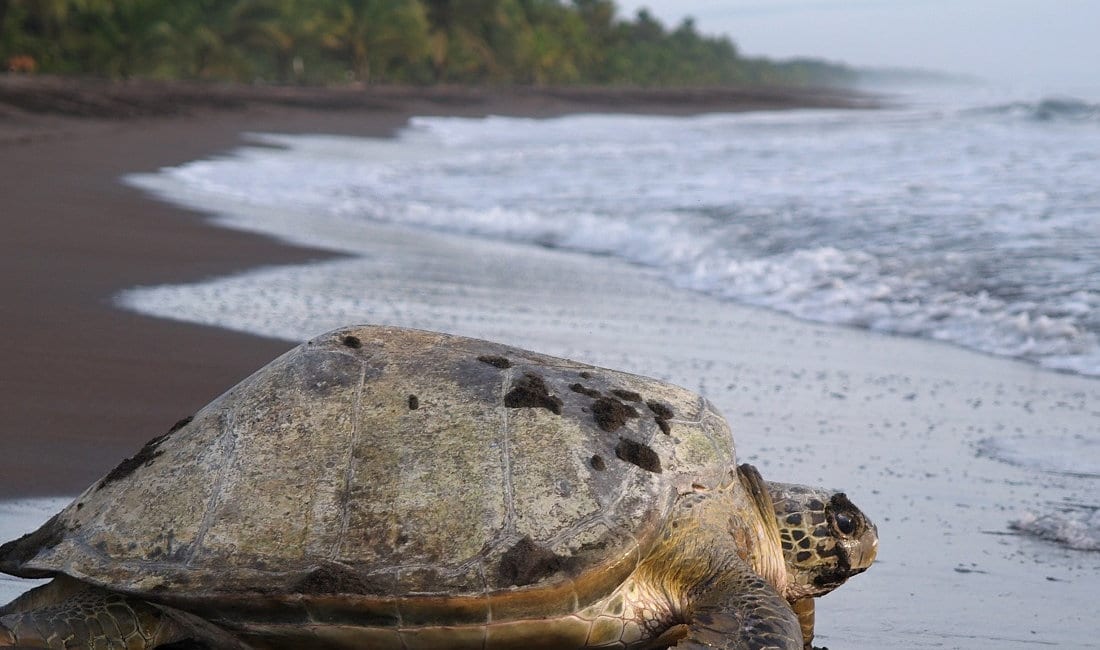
<point x="826" y="539"/>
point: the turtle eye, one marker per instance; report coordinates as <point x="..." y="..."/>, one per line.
<point x="844" y="523"/>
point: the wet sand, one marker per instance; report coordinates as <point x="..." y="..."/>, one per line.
<point x="82" y="383"/>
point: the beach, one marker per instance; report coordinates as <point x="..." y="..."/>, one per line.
<point x="904" y="426"/>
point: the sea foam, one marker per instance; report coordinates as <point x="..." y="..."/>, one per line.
<point x="971" y="227"/>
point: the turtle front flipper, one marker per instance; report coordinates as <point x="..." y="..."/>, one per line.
<point x="72" y="615"/>
<point x="743" y="612"/>
<point x="804" y="609"/>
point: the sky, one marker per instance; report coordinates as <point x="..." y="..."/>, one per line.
<point x="1049" y="45"/>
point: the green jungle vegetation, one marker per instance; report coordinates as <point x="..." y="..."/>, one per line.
<point x="380" y="41"/>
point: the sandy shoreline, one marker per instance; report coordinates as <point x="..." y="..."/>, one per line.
<point x="897" y="423"/>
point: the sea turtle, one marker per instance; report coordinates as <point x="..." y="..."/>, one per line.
<point x="379" y="487"/>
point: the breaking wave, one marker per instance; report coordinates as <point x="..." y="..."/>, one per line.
<point x="927" y="223"/>
<point x="1050" y="109"/>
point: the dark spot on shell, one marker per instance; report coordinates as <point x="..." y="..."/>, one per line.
<point x="80" y="506"/>
<point x="414" y="402"/>
<point x="352" y="342"/>
<point x="626" y="395"/>
<point x="802" y="556"/>
<point x="583" y="390"/>
<point x="495" y="361"/>
<point x="804" y="543"/>
<point x="145" y="456"/>
<point x="798" y="534"/>
<point x="611" y="414"/>
<point x="335" y="579"/>
<point x="597" y="463"/>
<point x="527" y="563"/>
<point x="662" y="411"/>
<point x="181" y="423"/>
<point x="531" y="392"/>
<point x="586" y="375"/>
<point x="795" y="519"/>
<point x="639" y="454"/>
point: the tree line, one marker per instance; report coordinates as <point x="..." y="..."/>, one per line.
<point x="380" y="41"/>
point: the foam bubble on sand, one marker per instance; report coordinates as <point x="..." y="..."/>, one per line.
<point x="1071" y="455"/>
<point x="18" y="518"/>
<point x="1073" y="525"/>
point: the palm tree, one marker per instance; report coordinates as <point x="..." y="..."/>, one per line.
<point x="266" y="26"/>
<point x="118" y="38"/>
<point x="200" y="39"/>
<point x="372" y="36"/>
<point x="462" y="38"/>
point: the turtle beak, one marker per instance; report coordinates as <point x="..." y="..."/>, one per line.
<point x="863" y="553"/>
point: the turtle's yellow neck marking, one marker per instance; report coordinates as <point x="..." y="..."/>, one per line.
<point x="768" y="560"/>
<point x="712" y="531"/>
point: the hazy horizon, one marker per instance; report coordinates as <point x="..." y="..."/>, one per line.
<point x="1039" y="46"/>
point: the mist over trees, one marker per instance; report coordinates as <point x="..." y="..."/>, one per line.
<point x="380" y="41"/>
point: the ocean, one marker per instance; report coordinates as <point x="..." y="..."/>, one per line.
<point x="975" y="222"/>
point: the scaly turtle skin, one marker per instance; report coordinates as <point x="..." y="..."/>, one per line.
<point x="389" y="488"/>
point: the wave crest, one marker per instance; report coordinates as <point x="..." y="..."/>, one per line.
<point x="1049" y="109"/>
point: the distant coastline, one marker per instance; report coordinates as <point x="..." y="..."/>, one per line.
<point x="50" y="95"/>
